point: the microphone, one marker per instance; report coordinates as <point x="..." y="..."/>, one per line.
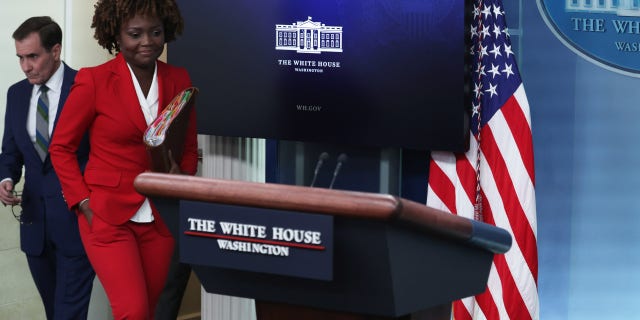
<point x="342" y="158"/>
<point x="321" y="159"/>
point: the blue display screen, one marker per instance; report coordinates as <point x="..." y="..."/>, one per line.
<point x="362" y="72"/>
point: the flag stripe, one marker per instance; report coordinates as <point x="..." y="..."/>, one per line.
<point x="445" y="188"/>
<point x="519" y="126"/>
<point x="487" y="305"/>
<point x="522" y="232"/>
<point x="514" y="303"/>
<point x="466" y="172"/>
<point x="460" y="311"/>
<point x="512" y="306"/>
<point x="496" y="214"/>
<point x="492" y="308"/>
<point x="514" y="163"/>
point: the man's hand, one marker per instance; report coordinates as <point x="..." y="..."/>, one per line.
<point x="7" y="195"/>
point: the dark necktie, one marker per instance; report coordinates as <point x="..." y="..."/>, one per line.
<point x="42" y="123"/>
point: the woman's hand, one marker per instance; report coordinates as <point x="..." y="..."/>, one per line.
<point x="175" y="167"/>
<point x="84" y="209"/>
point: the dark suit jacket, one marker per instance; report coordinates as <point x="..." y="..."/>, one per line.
<point x="42" y="192"/>
<point x="103" y="102"/>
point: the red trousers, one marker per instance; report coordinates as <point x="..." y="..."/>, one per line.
<point x="132" y="262"/>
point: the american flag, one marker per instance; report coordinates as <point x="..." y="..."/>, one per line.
<point x="494" y="181"/>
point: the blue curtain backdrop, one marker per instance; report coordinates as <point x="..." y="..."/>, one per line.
<point x="587" y="184"/>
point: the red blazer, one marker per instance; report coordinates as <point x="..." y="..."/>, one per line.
<point x="104" y="102"/>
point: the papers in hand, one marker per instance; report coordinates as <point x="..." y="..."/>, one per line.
<point x="166" y="134"/>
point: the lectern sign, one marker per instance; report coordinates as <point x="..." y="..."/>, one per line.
<point x="258" y="240"/>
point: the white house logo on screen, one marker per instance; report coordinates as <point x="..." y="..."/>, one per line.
<point x="309" y="37"/>
<point x="604" y="32"/>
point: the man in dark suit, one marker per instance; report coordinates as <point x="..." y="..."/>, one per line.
<point x="49" y="233"/>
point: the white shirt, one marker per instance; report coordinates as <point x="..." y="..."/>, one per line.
<point x="149" y="107"/>
<point x="55" y="89"/>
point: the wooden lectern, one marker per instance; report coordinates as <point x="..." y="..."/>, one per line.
<point x="392" y="257"/>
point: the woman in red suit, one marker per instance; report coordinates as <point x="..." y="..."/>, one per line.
<point x="126" y="240"/>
